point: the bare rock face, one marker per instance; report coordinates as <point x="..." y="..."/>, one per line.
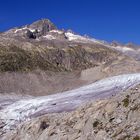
<point x="43" y="26"/>
<point x="31" y="35"/>
<point x="39" y="28"/>
<point x="116" y="118"/>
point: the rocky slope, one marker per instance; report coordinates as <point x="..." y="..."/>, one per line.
<point x="116" y="118"/>
<point x="13" y="58"/>
<point x="42" y="46"/>
<point x="49" y="50"/>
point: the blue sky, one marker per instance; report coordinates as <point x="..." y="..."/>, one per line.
<point x="103" y="19"/>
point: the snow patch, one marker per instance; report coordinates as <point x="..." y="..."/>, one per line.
<point x="78" y="38"/>
<point x="124" y="49"/>
<point x="56" y="31"/>
<point x="17" y="30"/>
<point x="49" y="37"/>
<point x="24" y="28"/>
<point x="32" y="30"/>
<point x="72" y="37"/>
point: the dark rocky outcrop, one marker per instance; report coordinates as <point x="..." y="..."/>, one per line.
<point x="31" y="35"/>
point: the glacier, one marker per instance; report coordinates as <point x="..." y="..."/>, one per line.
<point x="17" y="111"/>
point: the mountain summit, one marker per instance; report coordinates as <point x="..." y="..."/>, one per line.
<point x="39" y="28"/>
<point x="44" y="25"/>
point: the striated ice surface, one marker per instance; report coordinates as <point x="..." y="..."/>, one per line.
<point x="25" y="109"/>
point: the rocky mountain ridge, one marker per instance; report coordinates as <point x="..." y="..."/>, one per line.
<point x="44" y="32"/>
<point x="42" y="46"/>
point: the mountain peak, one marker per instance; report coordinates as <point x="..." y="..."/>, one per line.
<point x="32" y="31"/>
<point x="43" y="25"/>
